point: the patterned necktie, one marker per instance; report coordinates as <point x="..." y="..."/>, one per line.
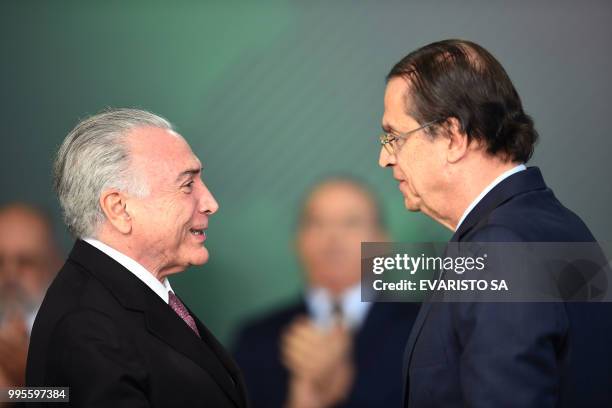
<point x="180" y="309"/>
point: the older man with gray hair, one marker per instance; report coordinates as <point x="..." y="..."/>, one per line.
<point x="111" y="328"/>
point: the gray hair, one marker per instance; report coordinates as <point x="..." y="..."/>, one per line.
<point x="95" y="157"/>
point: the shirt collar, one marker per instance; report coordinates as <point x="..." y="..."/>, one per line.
<point x="490" y="187"/>
<point x="319" y="303"/>
<point x="160" y="288"/>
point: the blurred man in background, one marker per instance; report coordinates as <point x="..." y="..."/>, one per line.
<point x="328" y="348"/>
<point x="29" y="258"/>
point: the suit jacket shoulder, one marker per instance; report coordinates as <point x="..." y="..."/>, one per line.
<point x="522" y="208"/>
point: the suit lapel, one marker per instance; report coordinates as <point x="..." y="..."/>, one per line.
<point x="224" y="357"/>
<point x="368" y="335"/>
<point x="379" y="317"/>
<point x="163" y="323"/>
<point x="414" y="335"/>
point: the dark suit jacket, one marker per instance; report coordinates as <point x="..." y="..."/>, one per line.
<point x="106" y="335"/>
<point x="378" y="345"/>
<point x="513" y="354"/>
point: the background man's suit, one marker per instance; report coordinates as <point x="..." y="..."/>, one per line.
<point x="115" y="343"/>
<point x="378" y="344"/>
<point x="511" y="354"/>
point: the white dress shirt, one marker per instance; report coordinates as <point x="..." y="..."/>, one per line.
<point x="161" y="288"/>
<point x="319" y="303"/>
<point x="490" y="187"/>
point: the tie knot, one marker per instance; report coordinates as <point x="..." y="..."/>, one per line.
<point x="337" y="312"/>
<point x="172" y="298"/>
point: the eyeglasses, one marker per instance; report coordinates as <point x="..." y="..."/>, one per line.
<point x="393" y="143"/>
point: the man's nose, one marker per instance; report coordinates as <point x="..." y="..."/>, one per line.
<point x="208" y="204"/>
<point x="385" y="158"/>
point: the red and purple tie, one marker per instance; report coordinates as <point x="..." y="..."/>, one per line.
<point x="180" y="309"/>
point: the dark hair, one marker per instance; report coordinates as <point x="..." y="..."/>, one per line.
<point x="460" y="79"/>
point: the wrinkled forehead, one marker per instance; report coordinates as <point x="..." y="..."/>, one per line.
<point x="339" y="199"/>
<point x="22" y="228"/>
<point x="160" y="153"/>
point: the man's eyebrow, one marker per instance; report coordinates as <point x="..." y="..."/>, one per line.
<point x="189" y="172"/>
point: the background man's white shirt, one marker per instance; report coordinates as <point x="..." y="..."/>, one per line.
<point x="320" y="306"/>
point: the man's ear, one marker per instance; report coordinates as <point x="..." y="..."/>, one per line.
<point x="114" y="206"/>
<point x="457" y="140"/>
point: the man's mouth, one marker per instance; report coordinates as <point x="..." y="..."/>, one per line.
<point x="197" y="231"/>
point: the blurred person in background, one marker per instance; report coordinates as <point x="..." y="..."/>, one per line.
<point x="29" y="258"/>
<point x="329" y="349"/>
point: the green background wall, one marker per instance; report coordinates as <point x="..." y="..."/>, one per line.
<point x="274" y="95"/>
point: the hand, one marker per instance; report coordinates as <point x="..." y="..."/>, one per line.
<point x="319" y="363"/>
<point x="303" y="393"/>
<point x="309" y="351"/>
<point x="13" y="352"/>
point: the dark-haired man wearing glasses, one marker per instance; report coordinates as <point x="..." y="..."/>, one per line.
<point x="457" y="140"/>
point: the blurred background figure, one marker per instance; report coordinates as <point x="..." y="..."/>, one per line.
<point x="328" y="348"/>
<point x="29" y="258"/>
